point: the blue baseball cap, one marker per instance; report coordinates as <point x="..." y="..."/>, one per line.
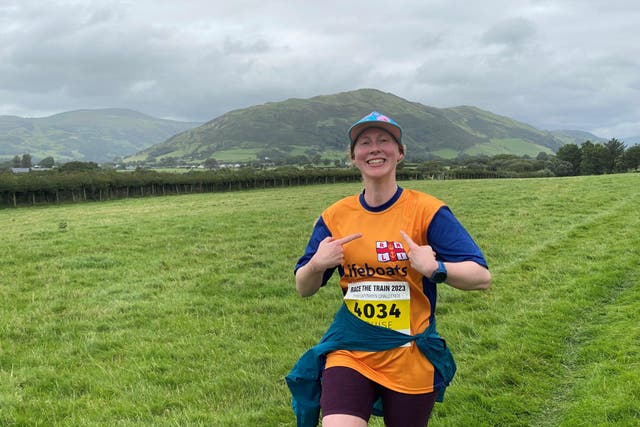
<point x="377" y="120"/>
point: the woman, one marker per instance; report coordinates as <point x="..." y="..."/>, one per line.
<point x="391" y="247"/>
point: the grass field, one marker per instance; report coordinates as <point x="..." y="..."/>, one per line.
<point x="181" y="311"/>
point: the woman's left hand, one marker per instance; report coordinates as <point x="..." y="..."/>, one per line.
<point x="422" y="258"/>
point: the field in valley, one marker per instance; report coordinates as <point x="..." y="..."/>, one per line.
<point x="181" y="310"/>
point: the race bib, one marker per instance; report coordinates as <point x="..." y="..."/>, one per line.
<point x="384" y="304"/>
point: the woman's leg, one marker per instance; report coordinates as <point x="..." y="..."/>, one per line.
<point x="347" y="398"/>
<point x="407" y="410"/>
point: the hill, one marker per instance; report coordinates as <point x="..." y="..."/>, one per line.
<point x="571" y="136"/>
<point x="317" y="127"/>
<point x="88" y="135"/>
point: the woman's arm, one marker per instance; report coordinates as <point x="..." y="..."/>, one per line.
<point x="465" y="275"/>
<point x="309" y="279"/>
<point x="329" y="254"/>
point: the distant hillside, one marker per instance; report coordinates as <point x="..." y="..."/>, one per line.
<point x="87" y="135"/>
<point x="577" y="136"/>
<point x="631" y="140"/>
<point x="317" y="127"/>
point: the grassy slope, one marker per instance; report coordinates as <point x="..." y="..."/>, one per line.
<point x="514" y="146"/>
<point x="502" y="134"/>
<point x="181" y="310"/>
<point x="320" y="124"/>
<point x="96" y="135"/>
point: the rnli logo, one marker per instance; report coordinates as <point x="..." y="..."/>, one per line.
<point x="390" y="251"/>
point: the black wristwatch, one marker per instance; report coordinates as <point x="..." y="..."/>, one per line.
<point x="440" y="274"/>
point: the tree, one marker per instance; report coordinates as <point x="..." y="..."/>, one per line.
<point x="76" y="166"/>
<point x="542" y="156"/>
<point x="15" y="163"/>
<point x="594" y="158"/>
<point x="613" y="157"/>
<point x="431" y="168"/>
<point x="300" y="159"/>
<point x="271" y="154"/>
<point x="47" y="162"/>
<point x="631" y="158"/>
<point x="499" y="162"/>
<point x="211" y="163"/>
<point x="168" y="162"/>
<point x="558" y="167"/>
<point x="571" y="153"/>
<point x="25" y="162"/>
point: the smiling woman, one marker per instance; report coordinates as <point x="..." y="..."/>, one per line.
<point x="391" y="247"/>
<point x="376" y="155"/>
<point x="376" y="149"/>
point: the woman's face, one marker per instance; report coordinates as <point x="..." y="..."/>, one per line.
<point x="376" y="153"/>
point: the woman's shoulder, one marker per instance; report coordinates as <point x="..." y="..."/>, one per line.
<point x="423" y="198"/>
<point x="348" y="202"/>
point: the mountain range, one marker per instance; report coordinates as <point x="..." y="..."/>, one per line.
<point x="98" y="135"/>
<point x="314" y="127"/>
<point x="317" y="126"/>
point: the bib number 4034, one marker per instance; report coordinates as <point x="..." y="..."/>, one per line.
<point x="380" y="310"/>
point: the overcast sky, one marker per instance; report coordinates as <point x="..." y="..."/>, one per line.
<point x="561" y="64"/>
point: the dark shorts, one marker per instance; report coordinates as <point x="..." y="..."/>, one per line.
<point x="346" y="391"/>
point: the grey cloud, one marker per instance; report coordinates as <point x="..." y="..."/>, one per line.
<point x="510" y="32"/>
<point x="550" y="64"/>
<point x="236" y="46"/>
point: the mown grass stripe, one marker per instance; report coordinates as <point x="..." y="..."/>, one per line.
<point x="523" y="368"/>
<point x="602" y="356"/>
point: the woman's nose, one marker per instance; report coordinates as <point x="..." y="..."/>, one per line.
<point x="375" y="147"/>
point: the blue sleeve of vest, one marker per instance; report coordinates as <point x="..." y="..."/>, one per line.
<point x="451" y="241"/>
<point x="320" y="232"/>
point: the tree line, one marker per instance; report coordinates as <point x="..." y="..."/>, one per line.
<point x="98" y="185"/>
<point x="571" y="159"/>
<point x="25" y="161"/>
<point x="87" y="181"/>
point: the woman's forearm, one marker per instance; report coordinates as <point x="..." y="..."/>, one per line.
<point x="467" y="276"/>
<point x="308" y="279"/>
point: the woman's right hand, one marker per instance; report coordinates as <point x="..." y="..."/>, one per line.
<point x="330" y="252"/>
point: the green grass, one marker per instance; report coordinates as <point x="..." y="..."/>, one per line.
<point x="182" y="311"/>
<point x="237" y="155"/>
<point x="447" y="153"/>
<point x="515" y="146"/>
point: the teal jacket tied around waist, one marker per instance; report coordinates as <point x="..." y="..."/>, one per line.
<point x="347" y="332"/>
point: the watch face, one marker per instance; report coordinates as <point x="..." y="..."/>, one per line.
<point x="439" y="276"/>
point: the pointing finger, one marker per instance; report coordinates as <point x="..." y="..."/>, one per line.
<point x="408" y="239"/>
<point x="347" y="239"/>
